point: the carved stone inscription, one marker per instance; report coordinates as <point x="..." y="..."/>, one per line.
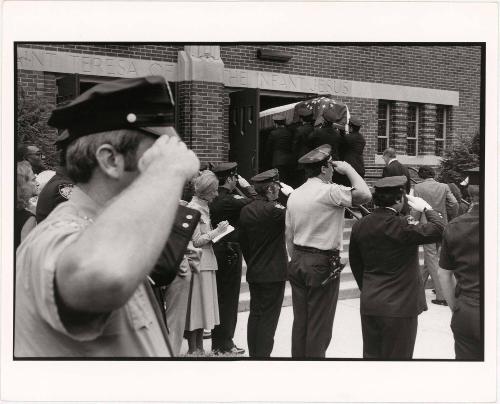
<point x="95" y="65"/>
<point x="285" y="82"/>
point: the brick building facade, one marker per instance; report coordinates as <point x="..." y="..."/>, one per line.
<point x="414" y="98"/>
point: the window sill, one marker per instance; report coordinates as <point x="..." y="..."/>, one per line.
<point x="427" y="160"/>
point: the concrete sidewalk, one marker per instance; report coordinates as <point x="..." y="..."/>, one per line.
<point x="434" y="336"/>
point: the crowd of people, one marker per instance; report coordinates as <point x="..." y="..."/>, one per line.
<point x="118" y="257"/>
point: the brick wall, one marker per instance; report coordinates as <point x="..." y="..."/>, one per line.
<point x="164" y="53"/>
<point x="454" y="68"/>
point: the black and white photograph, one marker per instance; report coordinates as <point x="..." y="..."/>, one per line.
<point x="246" y="203"/>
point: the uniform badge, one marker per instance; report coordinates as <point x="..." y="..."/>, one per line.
<point x="65" y="190"/>
<point x="238" y="197"/>
<point x="411" y="220"/>
<point x="279" y="206"/>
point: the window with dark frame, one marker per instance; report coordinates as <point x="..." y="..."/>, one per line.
<point x="385" y="138"/>
<point x="441" y="129"/>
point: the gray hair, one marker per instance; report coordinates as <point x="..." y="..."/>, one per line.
<point x="81" y="153"/>
<point x="205" y="183"/>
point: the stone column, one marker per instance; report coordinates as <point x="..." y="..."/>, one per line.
<point x="201" y="102"/>
<point x="427" y="130"/>
<point x="399" y="119"/>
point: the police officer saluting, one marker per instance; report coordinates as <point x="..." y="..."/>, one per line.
<point x="81" y="275"/>
<point x="262" y="237"/>
<point x="460" y="275"/>
<point x="383" y="254"/>
<point x="314" y="228"/>
<point x="227" y="206"/>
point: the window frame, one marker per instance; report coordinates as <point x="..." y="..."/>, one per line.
<point x="417" y="128"/>
<point x="444" y="126"/>
<point x="387" y="119"/>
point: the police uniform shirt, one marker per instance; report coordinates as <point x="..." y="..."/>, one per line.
<point x="262" y="237"/>
<point x="227" y="206"/>
<point x="383" y="255"/>
<point x="460" y="251"/>
<point x="315" y="214"/>
<point x="57" y="190"/>
<point x="134" y="330"/>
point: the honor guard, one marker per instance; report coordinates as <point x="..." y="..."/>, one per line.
<point x="279" y="148"/>
<point x="461" y="273"/>
<point x="327" y="134"/>
<point x="314" y="229"/>
<point x="351" y="150"/>
<point x="262" y="239"/>
<point x="383" y="254"/>
<point x="227" y="206"/>
<point x="301" y="140"/>
<point x="82" y="287"/>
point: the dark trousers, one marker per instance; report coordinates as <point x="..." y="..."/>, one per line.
<point x="228" y="276"/>
<point x="388" y="337"/>
<point x="313" y="305"/>
<point x="266" y="299"/>
<point x="466" y="327"/>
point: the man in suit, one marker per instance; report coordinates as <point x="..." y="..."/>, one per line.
<point x="279" y="148"/>
<point x="227" y="206"/>
<point x="383" y="254"/>
<point x="460" y="275"/>
<point x="394" y="168"/>
<point x="441" y="199"/>
<point x="262" y="238"/>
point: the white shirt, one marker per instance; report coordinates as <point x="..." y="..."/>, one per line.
<point x="315" y="214"/>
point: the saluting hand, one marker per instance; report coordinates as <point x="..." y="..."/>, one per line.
<point x="418" y="203"/>
<point x="243" y="183"/>
<point x="169" y="156"/>
<point x="342" y="167"/>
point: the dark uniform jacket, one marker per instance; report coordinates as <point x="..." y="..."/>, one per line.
<point x="383" y="254"/>
<point x="396" y="168"/>
<point x="279" y="147"/>
<point x="460" y="252"/>
<point x="57" y="190"/>
<point x="301" y="139"/>
<point x="351" y="151"/>
<point x="227" y="206"/>
<point x="326" y="135"/>
<point x="262" y="238"/>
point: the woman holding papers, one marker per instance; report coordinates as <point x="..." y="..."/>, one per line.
<point x="203" y="307"/>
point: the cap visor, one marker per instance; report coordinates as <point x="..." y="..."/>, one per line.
<point x="159" y="130"/>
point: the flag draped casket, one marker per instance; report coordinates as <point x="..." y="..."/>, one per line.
<point x="316" y="105"/>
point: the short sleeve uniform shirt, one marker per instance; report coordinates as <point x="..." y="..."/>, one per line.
<point x="133" y="330"/>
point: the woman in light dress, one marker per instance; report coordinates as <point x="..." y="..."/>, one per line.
<point x="203" y="307"/>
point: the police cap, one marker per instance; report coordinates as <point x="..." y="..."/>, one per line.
<point x="225" y="169"/>
<point x="279" y="118"/>
<point x="354" y="121"/>
<point x="474" y="175"/>
<point x="143" y="103"/>
<point x="271" y="175"/>
<point x="387" y="183"/>
<point x="317" y="155"/>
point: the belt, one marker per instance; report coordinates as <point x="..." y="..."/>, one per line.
<point x="330" y="253"/>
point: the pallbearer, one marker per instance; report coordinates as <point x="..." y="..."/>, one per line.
<point x="314" y="227"/>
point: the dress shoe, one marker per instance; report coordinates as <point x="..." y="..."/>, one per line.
<point x="440" y="302"/>
<point x="236" y="351"/>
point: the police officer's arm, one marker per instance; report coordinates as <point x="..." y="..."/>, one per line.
<point x="101" y="270"/>
<point x="355" y="259"/>
<point x="445" y="271"/>
<point x="360" y="192"/>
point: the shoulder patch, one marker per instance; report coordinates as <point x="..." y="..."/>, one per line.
<point x="65" y="190"/>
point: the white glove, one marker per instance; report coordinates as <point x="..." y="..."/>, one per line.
<point x="286" y="189"/>
<point x="418" y="203"/>
<point x="243" y="182"/>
